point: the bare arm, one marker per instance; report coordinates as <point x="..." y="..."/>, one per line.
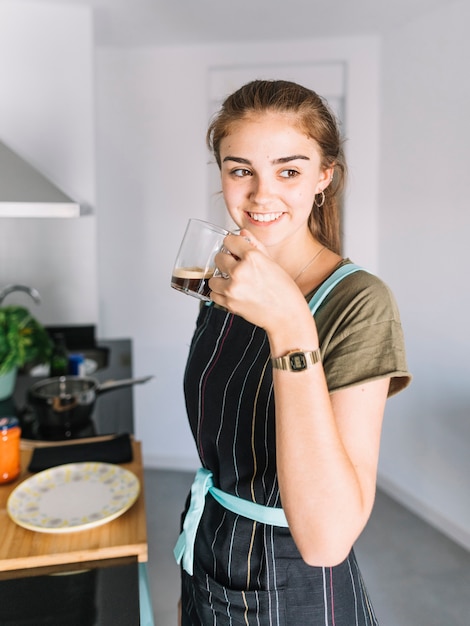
<point x="327" y="448"/>
<point x="327" y="453"/>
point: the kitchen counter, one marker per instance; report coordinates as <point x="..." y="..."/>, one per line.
<point x="124" y="537"/>
<point x="84" y="592"/>
<point x="87" y="578"/>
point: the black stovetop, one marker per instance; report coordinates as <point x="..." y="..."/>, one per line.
<point x="32" y="429"/>
<point x="112" y="413"/>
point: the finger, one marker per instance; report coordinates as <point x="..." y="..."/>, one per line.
<point x="217" y="285"/>
<point x="237" y="245"/>
<point x="251" y="241"/>
<point x="247" y="236"/>
<point x="224" y="260"/>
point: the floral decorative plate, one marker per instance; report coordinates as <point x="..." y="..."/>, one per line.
<point x="72" y="497"/>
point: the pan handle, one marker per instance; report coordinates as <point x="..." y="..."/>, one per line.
<point x="109" y="385"/>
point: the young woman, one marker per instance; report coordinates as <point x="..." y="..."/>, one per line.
<point x="285" y="406"/>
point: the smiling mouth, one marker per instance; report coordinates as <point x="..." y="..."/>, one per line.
<point x="265" y="217"/>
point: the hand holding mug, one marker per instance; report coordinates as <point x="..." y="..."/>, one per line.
<point x="250" y="283"/>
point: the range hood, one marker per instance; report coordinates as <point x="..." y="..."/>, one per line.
<point x="25" y="192"/>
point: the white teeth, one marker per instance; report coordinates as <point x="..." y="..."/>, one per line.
<point x="265" y="217"/>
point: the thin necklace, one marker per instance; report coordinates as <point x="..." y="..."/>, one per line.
<point x="316" y="255"/>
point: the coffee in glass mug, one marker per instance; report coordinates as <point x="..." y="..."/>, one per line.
<point x="195" y="264"/>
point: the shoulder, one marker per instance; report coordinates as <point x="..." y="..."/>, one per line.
<point x="360" y="294"/>
<point x="360" y="333"/>
<point x="363" y="286"/>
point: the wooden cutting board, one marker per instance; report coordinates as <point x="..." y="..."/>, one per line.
<point x="25" y="552"/>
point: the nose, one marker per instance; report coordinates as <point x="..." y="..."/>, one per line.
<point x="261" y="190"/>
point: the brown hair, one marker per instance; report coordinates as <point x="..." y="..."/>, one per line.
<point x="314" y="118"/>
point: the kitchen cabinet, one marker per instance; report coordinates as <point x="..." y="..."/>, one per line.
<point x="96" y="597"/>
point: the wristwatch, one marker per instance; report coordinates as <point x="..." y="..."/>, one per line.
<point x="297" y="360"/>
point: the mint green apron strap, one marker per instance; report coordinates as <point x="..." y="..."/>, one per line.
<point x="330" y="283"/>
<point x="270" y="515"/>
<point x="184" y="548"/>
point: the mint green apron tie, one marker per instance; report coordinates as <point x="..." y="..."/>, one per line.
<point x="184" y="548"/>
<point x="203" y="484"/>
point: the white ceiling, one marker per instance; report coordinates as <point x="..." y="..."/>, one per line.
<point x="163" y="22"/>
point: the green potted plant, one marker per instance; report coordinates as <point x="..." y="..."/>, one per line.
<point x="23" y="340"/>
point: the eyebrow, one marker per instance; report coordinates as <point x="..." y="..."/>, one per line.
<point x="286" y="159"/>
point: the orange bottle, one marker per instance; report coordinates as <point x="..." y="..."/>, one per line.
<point x="10" y="433"/>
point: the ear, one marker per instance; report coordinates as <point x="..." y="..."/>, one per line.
<point x="325" y="179"/>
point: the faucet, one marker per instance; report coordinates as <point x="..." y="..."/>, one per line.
<point x="31" y="291"/>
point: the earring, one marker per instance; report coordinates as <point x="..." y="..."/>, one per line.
<point x="322" y="200"/>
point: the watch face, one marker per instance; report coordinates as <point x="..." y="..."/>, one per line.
<point x="298" y="362"/>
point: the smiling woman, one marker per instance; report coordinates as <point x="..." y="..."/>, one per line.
<point x="285" y="407"/>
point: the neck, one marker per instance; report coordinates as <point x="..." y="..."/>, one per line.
<point x="310" y="262"/>
<point x="294" y="252"/>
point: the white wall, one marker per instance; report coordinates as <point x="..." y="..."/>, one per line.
<point x="424" y="228"/>
<point x="152" y="176"/>
<point x="151" y="119"/>
<point x="47" y="116"/>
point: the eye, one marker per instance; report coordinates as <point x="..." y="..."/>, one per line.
<point x="289" y="173"/>
<point x="240" y="172"/>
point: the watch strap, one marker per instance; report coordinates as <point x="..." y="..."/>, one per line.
<point x="297" y="360"/>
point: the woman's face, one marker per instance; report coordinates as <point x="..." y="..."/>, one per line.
<point x="270" y="174"/>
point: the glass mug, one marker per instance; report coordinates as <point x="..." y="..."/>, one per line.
<point x="195" y="264"/>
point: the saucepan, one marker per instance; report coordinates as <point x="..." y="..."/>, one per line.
<point x="69" y="400"/>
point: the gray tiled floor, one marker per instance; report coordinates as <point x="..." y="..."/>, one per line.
<point x="415" y="575"/>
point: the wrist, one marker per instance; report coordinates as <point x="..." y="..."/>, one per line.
<point x="297" y="360"/>
<point x="298" y="333"/>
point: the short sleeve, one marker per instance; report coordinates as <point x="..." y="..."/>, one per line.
<point x="361" y="335"/>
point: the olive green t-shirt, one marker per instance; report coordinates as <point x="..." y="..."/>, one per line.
<point x="360" y="332"/>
